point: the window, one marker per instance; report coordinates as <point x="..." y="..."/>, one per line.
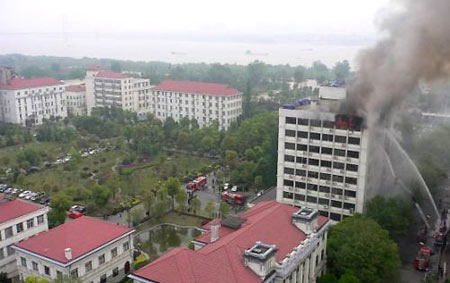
<point x="88" y="266"/>
<point x="324" y="201"/>
<point x="324" y="176"/>
<point x="313" y="161"/>
<point x="328" y="124"/>
<point x="340" y="139"/>
<point x="349" y="206"/>
<point x="289" y="158"/>
<point x="23" y="261"/>
<point x="352" y="167"/>
<point x="326" y="150"/>
<point x="311" y="199"/>
<point x="302" y="160"/>
<point x="337" y="178"/>
<point x="30" y="223"/>
<point x="338" y="165"/>
<point x="101" y="259"/>
<point x="19" y="227"/>
<point x="74" y="273"/>
<point x="313" y="174"/>
<point x="103" y="278"/>
<point x="325" y="163"/>
<point x="289" y="145"/>
<point x="47" y="270"/>
<point x="288" y="183"/>
<point x="40" y="219"/>
<point x="126" y="246"/>
<point x="58" y="274"/>
<point x="299" y="197"/>
<point x="114" y="252"/>
<point x="336" y="191"/>
<point x="335" y="216"/>
<point x="312" y="187"/>
<point x="302" y="147"/>
<point x="339" y="152"/>
<point x="314" y="149"/>
<point x="351" y="194"/>
<point x="316" y="123"/>
<point x="353" y="154"/>
<point x="115" y="272"/>
<point x="326" y="137"/>
<point x="288" y="195"/>
<point x="289" y="133"/>
<point x="354" y="141"/>
<point x="2" y="255"/>
<point x="35" y="266"/>
<point x="8" y="232"/>
<point x="350" y="180"/>
<point x="291" y="120"/>
<point x="324" y="189"/>
<point x="314" y="136"/>
<point x="300" y="172"/>
<point x="303" y="135"/>
<point x="300" y="185"/>
<point x="335" y="203"/>
<point x="304" y="122"/>
<point x="10" y="250"/>
<point x="288" y="170"/>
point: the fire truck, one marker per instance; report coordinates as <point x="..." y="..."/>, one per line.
<point x="198" y="184"/>
<point x="422" y="260"/>
<point x="233" y="198"/>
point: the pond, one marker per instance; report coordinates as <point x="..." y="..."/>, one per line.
<point x="160" y="239"/>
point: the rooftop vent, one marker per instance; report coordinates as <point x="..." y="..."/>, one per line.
<point x="233" y="222"/>
<point x="260" y="258"/>
<point x="306" y="220"/>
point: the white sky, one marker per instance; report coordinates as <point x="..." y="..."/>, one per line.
<point x="346" y="17"/>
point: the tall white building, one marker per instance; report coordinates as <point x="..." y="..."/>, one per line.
<point x="30" y="101"/>
<point x="205" y="102"/>
<point x="106" y="88"/>
<point x="19" y="220"/>
<point x="86" y="248"/>
<point x="322" y="158"/>
<point x="76" y="99"/>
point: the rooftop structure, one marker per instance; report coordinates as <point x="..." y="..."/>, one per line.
<point x="197" y="88"/>
<point x="22" y="83"/>
<point x="265" y="246"/>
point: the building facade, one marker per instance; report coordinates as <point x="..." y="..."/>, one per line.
<point x="204" y="102"/>
<point x="271" y="242"/>
<point x="76" y="99"/>
<point x="29" y="102"/>
<point x="322" y="159"/>
<point x="19" y="220"/>
<point x="86" y="248"/>
<point x="105" y="88"/>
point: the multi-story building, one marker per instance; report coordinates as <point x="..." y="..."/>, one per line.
<point x="19" y="220"/>
<point x="86" y="248"/>
<point x="29" y="101"/>
<point x="204" y="102"/>
<point x="106" y="88"/>
<point x="76" y="99"/>
<point x="322" y="157"/>
<point x="271" y="242"/>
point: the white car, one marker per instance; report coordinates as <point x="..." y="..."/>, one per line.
<point x="234" y="189"/>
<point x="24" y="194"/>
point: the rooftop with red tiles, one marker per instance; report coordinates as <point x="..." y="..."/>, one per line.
<point x="221" y="261"/>
<point x="12" y="209"/>
<point x="82" y="235"/>
<point x="196" y="87"/>
<point x="76" y="88"/>
<point x="107" y="74"/>
<point x="21" y="83"/>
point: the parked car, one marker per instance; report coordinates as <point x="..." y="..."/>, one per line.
<point x="24" y="194"/>
<point x="74" y="214"/>
<point x="78" y="208"/>
<point x="45" y="200"/>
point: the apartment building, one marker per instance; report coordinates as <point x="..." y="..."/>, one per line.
<point x="271" y="242"/>
<point x="86" y="248"/>
<point x="19" y="220"/>
<point x="28" y="102"/>
<point x="76" y="99"/>
<point x="322" y="158"/>
<point x="105" y="88"/>
<point x="205" y="102"/>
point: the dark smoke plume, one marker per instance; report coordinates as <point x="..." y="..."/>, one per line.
<point x="417" y="48"/>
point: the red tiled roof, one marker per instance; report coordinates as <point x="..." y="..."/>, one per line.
<point x="82" y="235"/>
<point x="10" y="210"/>
<point x="221" y="262"/>
<point x="76" y="88"/>
<point x="111" y="75"/>
<point x="20" y="83"/>
<point x="197" y="87"/>
<point x="94" y="68"/>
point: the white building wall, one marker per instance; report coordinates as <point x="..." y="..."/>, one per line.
<point x="37" y="103"/>
<point x="76" y="102"/>
<point x="7" y="256"/>
<point x="333" y="198"/>
<point x="94" y="275"/>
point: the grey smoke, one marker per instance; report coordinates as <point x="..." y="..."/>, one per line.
<point x="416" y="48"/>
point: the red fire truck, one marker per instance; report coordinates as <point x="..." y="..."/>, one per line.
<point x="233" y="198"/>
<point x="198" y="184"/>
<point x="422" y="260"/>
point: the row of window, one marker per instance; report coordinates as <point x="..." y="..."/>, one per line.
<point x="322" y="137"/>
<point x="317" y="123"/>
<point x="322" y="176"/>
<point x="209" y="97"/>
<point x="313" y="188"/>
<point x="322" y="201"/>
<point x="322" y="163"/>
<point x="39" y="90"/>
<point x="30" y="223"/>
<point x="322" y="150"/>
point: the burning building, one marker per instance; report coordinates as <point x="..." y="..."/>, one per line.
<point x="328" y="159"/>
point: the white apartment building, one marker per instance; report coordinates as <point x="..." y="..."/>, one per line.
<point x="271" y="242"/>
<point x="76" y="99"/>
<point x="86" y="248"/>
<point x="105" y="88"/>
<point x="19" y="220"/>
<point x="205" y="102"/>
<point x="322" y="158"/>
<point x="30" y="101"/>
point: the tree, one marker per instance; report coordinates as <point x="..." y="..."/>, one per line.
<point x="299" y="74"/>
<point x="341" y="70"/>
<point x="210" y="208"/>
<point x="258" y="182"/>
<point x="394" y="215"/>
<point x="224" y="209"/>
<point x="231" y="159"/>
<point x="148" y="198"/>
<point x="60" y="204"/>
<point x="181" y="198"/>
<point x="137" y="214"/>
<point x="352" y="240"/>
<point x="195" y="204"/>
<point x="35" y="279"/>
<point x="101" y="195"/>
<point x="115" y="66"/>
<point x="30" y="155"/>
<point x="173" y="186"/>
